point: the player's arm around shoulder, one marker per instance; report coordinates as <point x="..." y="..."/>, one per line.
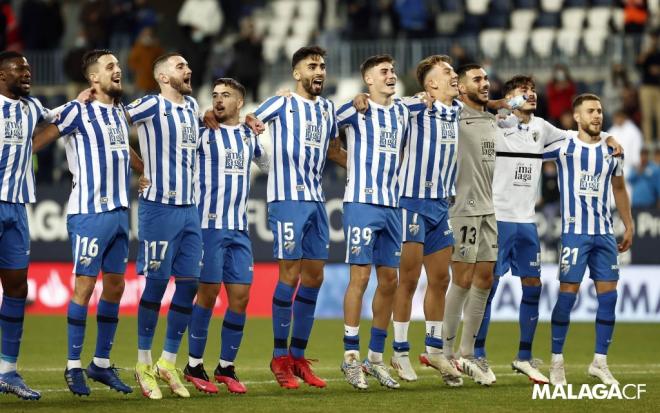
<point x="63" y="123"/>
<point x="266" y="112"/>
<point x="142" y="109"/>
<point x="260" y="156"/>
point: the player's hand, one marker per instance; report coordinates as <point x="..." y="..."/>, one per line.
<point x="498" y="104"/>
<point x="143" y="183"/>
<point x="615" y="145"/>
<point x="361" y="102"/>
<point x="255" y="124"/>
<point x="87" y="95"/>
<point x="210" y="121"/>
<point x="284" y="92"/>
<point x="426" y="99"/>
<point x="626" y="242"/>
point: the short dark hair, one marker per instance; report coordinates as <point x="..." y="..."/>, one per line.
<point x="162" y="59"/>
<point x="466" y="68"/>
<point x="425" y="66"/>
<point x="584" y="97"/>
<point x="9" y="55"/>
<point x="516" y="82"/>
<point x="232" y="83"/>
<point x="374" y="61"/>
<point x="91" y="57"/>
<point x="305" y="52"/>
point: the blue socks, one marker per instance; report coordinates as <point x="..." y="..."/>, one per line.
<point x="198" y="331"/>
<point x="377" y="342"/>
<point x="528" y="318"/>
<point x="231" y="335"/>
<point x="11" y="327"/>
<point x="480" y="342"/>
<point x="561" y="318"/>
<point x="179" y="313"/>
<point x="303" y="319"/>
<point x="76" y="318"/>
<point x="605" y="320"/>
<point x="282" y="318"/>
<point x="154" y="289"/>
<point x="107" y="317"/>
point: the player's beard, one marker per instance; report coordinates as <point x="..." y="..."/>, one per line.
<point x="18" y="89"/>
<point x="475" y="96"/>
<point x="180" y="86"/>
<point x="592" y="130"/>
<point x="114" y="91"/>
<point x="309" y="88"/>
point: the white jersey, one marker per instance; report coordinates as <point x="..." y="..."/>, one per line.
<point x="168" y="134"/>
<point x="222" y="175"/>
<point x="18" y="118"/>
<point x="374" y="141"/>
<point x="584" y="174"/>
<point x="429" y="157"/>
<point x="300" y="130"/>
<point x="96" y="141"/>
<point x="518" y="163"/>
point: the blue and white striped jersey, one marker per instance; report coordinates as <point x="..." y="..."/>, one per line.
<point x="222" y="175"/>
<point x="374" y="141"/>
<point x="168" y="134"/>
<point x="96" y="141"/>
<point x="18" y="119"/>
<point x="429" y="158"/>
<point x="584" y="174"/>
<point x="300" y="130"/>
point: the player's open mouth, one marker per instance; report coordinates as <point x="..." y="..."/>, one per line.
<point x="317" y="82"/>
<point x="454" y="83"/>
<point x="391" y="83"/>
<point x="186" y="80"/>
<point x="117" y="80"/>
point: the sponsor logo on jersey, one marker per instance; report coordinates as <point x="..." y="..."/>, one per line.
<point x="488" y="149"/>
<point x="234" y="162"/>
<point x="589" y="184"/>
<point x="13" y="132"/>
<point x="116" y="137"/>
<point x="313" y="134"/>
<point x="188" y="136"/>
<point x="522" y="175"/>
<point x="388" y="140"/>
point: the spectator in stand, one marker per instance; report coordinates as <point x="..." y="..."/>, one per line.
<point x="635" y="16"/>
<point x="200" y="21"/>
<point x="41" y="24"/>
<point x="145" y="16"/>
<point x="645" y="183"/>
<point x="415" y="17"/>
<point x="649" y="91"/>
<point x="559" y="93"/>
<point x="613" y="89"/>
<point x="96" y="19"/>
<point x="248" y="59"/>
<point x="630" y="137"/>
<point x="141" y="59"/>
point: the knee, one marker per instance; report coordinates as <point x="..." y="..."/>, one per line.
<point x="440" y="283"/>
<point x="531" y="281"/>
<point x="408" y="285"/>
<point x="18" y="290"/>
<point x="238" y="304"/>
<point x="115" y="289"/>
<point x="83" y="292"/>
<point x="388" y="282"/>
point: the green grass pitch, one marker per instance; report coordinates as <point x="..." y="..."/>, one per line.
<point x="633" y="359"/>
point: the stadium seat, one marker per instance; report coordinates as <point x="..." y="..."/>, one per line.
<point x="617" y="19"/>
<point x="500" y="6"/>
<point x="542" y="41"/>
<point x="523" y="19"/>
<point x="447" y="23"/>
<point x="605" y="3"/>
<point x="283" y="10"/>
<point x="516" y="42"/>
<point x="450" y="6"/>
<point x="347" y="88"/>
<point x="551" y="6"/>
<point x="594" y="41"/>
<point x="479" y="7"/>
<point x="568" y="42"/>
<point x="526" y="4"/>
<point x="654" y="7"/>
<point x="547" y="20"/>
<point x="309" y="9"/>
<point x="490" y="41"/>
<point x="278" y="28"/>
<point x="294" y="43"/>
<point x="575" y="3"/>
<point x="303" y="26"/>
<point x="599" y="17"/>
<point x="272" y="48"/>
<point x="573" y="18"/>
<point x="497" y="20"/>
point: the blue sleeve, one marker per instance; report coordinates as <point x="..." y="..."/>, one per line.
<point x="268" y="110"/>
<point x="142" y="109"/>
<point x="346" y="114"/>
<point x="69" y="119"/>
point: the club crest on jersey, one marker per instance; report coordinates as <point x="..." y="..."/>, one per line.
<point x="116" y="137"/>
<point x="313" y="134"/>
<point x="535" y="136"/>
<point x="356" y="250"/>
<point x="154" y="265"/>
<point x="565" y="268"/>
<point x="13" y="133"/>
<point x="234" y="162"/>
<point x="289" y="246"/>
<point x="523" y="174"/>
<point x="589" y="184"/>
<point x="188" y="136"/>
<point x="388" y="140"/>
<point x="325" y="114"/>
<point x="464" y="250"/>
<point x="85" y="261"/>
<point x="413" y="229"/>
